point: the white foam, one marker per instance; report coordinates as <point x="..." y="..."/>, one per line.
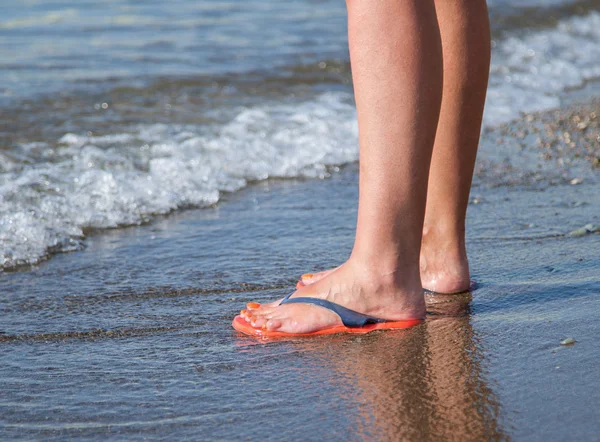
<point x="124" y="179"/>
<point x="528" y="73"/>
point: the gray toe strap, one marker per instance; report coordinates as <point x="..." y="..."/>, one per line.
<point x="350" y="318"/>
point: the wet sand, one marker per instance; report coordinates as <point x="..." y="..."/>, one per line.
<point x="131" y="338"/>
<point x="120" y="113"/>
<point x="560" y="146"/>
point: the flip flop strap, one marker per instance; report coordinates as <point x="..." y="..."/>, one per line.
<point x="350" y="318"/>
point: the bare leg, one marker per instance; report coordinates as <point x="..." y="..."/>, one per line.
<point x="465" y="32"/>
<point x="396" y="56"/>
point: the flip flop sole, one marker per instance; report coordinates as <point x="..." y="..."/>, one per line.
<point x="244" y="327"/>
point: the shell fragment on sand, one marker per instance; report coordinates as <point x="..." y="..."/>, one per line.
<point x="585" y="230"/>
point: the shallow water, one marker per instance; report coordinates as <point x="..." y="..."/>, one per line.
<point x="158" y="126"/>
<point x="132" y="338"/>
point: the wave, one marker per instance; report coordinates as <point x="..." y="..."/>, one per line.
<point x="124" y="179"/>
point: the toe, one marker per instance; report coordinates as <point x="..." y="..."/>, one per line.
<point x="272" y="304"/>
<point x="311" y="278"/>
<point x="272" y="325"/>
<point x="259" y="318"/>
<point x="255" y="309"/>
<point x="265" y="309"/>
<point x="259" y="322"/>
<point x="306" y="278"/>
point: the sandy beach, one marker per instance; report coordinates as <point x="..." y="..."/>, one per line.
<point x="131" y="337"/>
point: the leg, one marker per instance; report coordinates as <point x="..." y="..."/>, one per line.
<point x="396" y="56"/>
<point x="465" y="31"/>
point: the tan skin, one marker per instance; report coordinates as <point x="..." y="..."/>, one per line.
<point x="464" y="28"/>
<point x="415" y="174"/>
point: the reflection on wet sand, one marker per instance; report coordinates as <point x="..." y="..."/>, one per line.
<point x="427" y="383"/>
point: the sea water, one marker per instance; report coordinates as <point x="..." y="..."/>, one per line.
<point x="117" y="112"/>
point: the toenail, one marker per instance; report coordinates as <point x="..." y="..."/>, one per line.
<point x="264" y="327"/>
<point x="243" y="312"/>
<point x="307" y="276"/>
<point x="253" y="305"/>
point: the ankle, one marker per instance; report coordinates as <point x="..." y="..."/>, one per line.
<point x="444" y="266"/>
<point x="388" y="275"/>
<point x="447" y="241"/>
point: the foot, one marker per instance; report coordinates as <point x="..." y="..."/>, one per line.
<point x="445" y="277"/>
<point x="441" y="272"/>
<point x="350" y="285"/>
<point x="443" y="261"/>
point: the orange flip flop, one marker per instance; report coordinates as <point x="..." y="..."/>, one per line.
<point x="353" y="322"/>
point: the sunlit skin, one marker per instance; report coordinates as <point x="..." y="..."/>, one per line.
<point x="406" y="237"/>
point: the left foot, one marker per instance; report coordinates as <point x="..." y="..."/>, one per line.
<point x="369" y="292"/>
